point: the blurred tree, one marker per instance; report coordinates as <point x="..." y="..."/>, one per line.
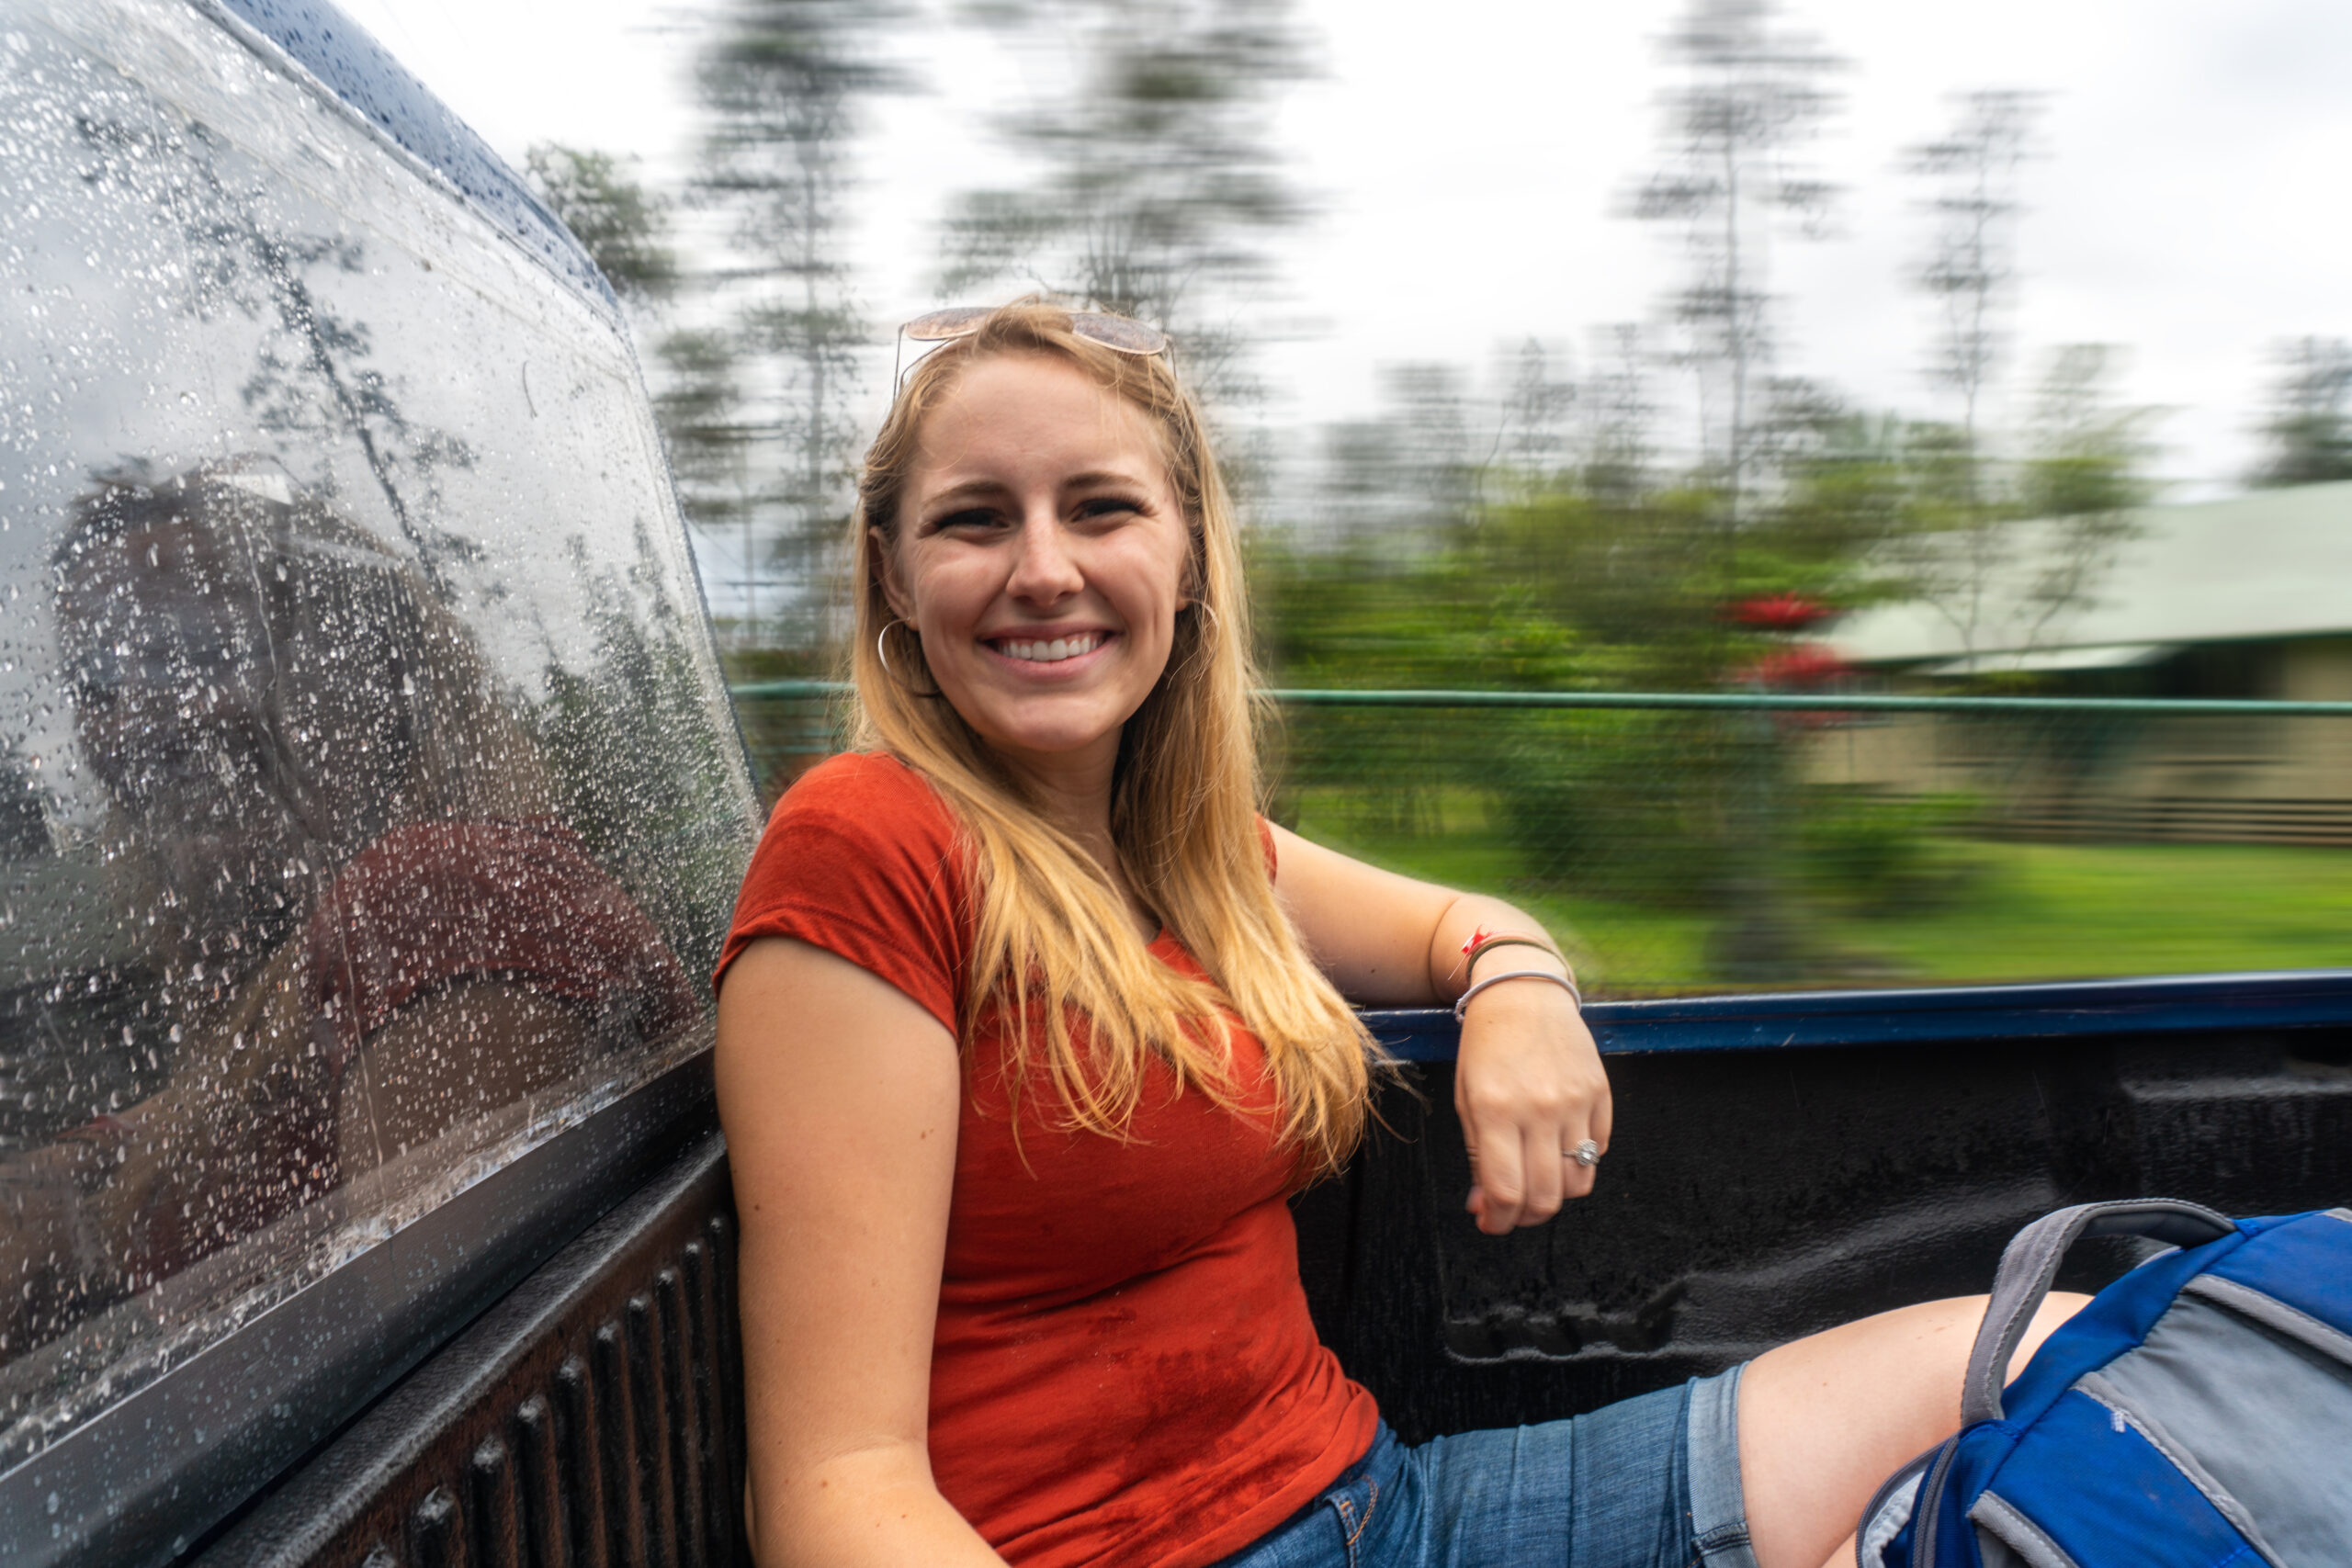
<point x="2310" y="428"/>
<point x="1959" y="537"/>
<point x="1157" y="180"/>
<point x="706" y="430"/>
<point x="1960" y="516"/>
<point x="1532" y="442"/>
<point x="1406" y="479"/>
<point x="1752" y="92"/>
<point x="598" y="197"/>
<point x="784" y="86"/>
<point x="1620" y="418"/>
<point x="699" y="400"/>
<point x="2087" y="472"/>
<point x="1971" y="268"/>
<point x="2004" y="567"/>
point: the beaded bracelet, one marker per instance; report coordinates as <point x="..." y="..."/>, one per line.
<point x="1562" y="981"/>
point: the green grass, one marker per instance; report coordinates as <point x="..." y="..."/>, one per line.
<point x="2027" y="913"/>
<point x="2048" y="911"/>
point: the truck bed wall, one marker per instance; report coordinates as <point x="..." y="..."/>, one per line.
<point x="1749" y="1197"/>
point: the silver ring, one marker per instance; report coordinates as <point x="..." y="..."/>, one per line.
<point x="1586" y="1153"/>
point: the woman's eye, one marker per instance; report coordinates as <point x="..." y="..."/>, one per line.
<point x="1102" y="507"/>
<point x="971" y="517"/>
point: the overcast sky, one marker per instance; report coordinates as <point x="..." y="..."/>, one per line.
<point x="1469" y="171"/>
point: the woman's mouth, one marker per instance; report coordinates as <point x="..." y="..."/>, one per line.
<point x="1051" y="650"/>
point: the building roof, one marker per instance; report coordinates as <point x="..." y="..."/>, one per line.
<point x="2275" y="563"/>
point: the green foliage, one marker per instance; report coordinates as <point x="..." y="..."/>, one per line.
<point x="2090" y="452"/>
<point x="2309" y="430"/>
<point x="1560" y="590"/>
<point x="610" y="213"/>
<point x="1578" y="579"/>
<point x="1351" y="619"/>
<point x="704" y="426"/>
<point x="1874" y="851"/>
<point x="643" y="767"/>
<point x="2006" y="553"/>
<point x="1633" y="807"/>
<point x="1154" y="178"/>
<point x="785" y="87"/>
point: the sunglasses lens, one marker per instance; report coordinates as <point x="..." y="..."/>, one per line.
<point x="1117" y="333"/>
<point x="940" y="325"/>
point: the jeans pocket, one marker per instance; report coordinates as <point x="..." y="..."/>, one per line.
<point x="1368" y="1494"/>
<point x="1354" y="1507"/>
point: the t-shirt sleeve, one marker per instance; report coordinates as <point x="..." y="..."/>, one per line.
<point x="861" y="859"/>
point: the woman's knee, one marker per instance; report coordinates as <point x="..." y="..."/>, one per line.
<point x="2056" y="1309"/>
<point x="1825" y="1419"/>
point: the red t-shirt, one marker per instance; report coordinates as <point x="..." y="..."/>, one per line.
<point x="1123" y="1369"/>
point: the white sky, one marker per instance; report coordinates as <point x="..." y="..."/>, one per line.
<point x="1467" y="173"/>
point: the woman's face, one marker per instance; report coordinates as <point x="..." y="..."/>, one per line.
<point x="170" y="664"/>
<point x="1041" y="557"/>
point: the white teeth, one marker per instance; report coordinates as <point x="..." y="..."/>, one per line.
<point x="1056" y="650"/>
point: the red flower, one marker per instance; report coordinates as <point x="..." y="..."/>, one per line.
<point x="1780" y="613"/>
<point x="1801" y="664"/>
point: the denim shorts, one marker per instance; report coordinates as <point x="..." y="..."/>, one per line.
<point x="1646" y="1483"/>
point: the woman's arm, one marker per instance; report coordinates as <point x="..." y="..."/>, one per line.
<point x="839" y="1095"/>
<point x="1528" y="1083"/>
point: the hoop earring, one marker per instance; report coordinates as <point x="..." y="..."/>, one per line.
<point x="1201" y="634"/>
<point x="882" y="653"/>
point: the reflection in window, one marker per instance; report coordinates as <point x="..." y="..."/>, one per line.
<point x="368" y="806"/>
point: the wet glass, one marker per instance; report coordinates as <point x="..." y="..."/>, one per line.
<point x="369" y="807"/>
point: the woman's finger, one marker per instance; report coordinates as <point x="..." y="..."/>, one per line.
<point x="1547" y="1174"/>
<point x="1500" y="1175"/>
<point x="1578" y="1175"/>
<point x="1595" y="1127"/>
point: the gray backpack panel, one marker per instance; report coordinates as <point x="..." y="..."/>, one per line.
<point x="2284" y="1463"/>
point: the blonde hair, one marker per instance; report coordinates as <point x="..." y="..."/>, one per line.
<point x="1053" y="933"/>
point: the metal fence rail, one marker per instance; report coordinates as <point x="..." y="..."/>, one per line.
<point x="1788" y="702"/>
<point x="1739" y="839"/>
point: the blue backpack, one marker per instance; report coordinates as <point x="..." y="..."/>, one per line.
<point x="2197" y="1413"/>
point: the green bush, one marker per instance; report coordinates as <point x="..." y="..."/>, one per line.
<point x="1887" y="851"/>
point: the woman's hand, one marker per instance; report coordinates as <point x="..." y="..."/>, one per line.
<point x="1528" y="1084"/>
<point x="1529" y="1087"/>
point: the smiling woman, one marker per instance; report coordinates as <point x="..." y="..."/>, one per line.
<point x="1044" y="564"/>
<point x="1031" y="1027"/>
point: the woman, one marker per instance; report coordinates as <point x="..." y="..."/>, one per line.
<point x="1018" y="1279"/>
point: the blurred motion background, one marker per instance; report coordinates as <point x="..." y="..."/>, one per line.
<point x="1813" y="349"/>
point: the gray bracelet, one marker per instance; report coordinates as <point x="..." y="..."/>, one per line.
<point x="1562" y="981"/>
<point x="1470" y="964"/>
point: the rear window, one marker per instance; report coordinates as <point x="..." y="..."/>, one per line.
<point x="369" y="807"/>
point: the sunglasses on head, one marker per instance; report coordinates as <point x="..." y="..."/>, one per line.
<point x="1116" y="334"/>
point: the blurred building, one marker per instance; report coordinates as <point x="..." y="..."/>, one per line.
<point x="2249" y="598"/>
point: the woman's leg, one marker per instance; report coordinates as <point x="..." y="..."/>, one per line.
<point x="1825" y="1419"/>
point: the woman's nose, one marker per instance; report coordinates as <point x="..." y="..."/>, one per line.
<point x="1043" y="571"/>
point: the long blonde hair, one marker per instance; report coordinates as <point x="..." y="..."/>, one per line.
<point x="1053" y="934"/>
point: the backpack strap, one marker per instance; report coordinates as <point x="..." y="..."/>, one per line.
<point x="2030" y="1261"/>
